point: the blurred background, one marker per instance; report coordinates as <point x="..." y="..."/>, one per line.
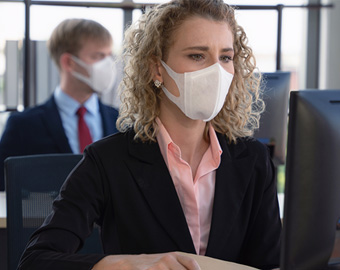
<point x="298" y="36"/>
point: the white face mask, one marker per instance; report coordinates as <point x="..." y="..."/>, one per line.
<point x="102" y="74"/>
<point x="201" y="93"/>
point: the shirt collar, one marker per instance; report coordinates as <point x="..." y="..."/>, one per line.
<point x="70" y="106"/>
<point x="164" y="140"/>
<point x="215" y="146"/>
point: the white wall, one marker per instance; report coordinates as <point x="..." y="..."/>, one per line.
<point x="330" y="46"/>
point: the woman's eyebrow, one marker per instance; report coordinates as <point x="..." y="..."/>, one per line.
<point x="198" y="48"/>
<point x="227" y="50"/>
<point x="205" y="48"/>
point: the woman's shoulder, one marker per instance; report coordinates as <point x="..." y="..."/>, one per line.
<point x="116" y="140"/>
<point x="253" y="143"/>
<point x="244" y="145"/>
<point x="254" y="146"/>
<point x="120" y="144"/>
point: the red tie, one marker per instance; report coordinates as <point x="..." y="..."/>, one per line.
<point x="83" y="130"/>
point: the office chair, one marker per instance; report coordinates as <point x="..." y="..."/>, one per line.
<point x="32" y="183"/>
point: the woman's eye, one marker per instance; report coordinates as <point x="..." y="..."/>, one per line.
<point x="196" y="57"/>
<point x="226" y="58"/>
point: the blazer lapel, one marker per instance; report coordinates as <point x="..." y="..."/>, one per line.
<point x="231" y="184"/>
<point x="154" y="180"/>
<point x="54" y="125"/>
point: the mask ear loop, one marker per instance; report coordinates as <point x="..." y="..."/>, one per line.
<point x="179" y="80"/>
<point x="80" y="76"/>
<point x="81" y="63"/>
<point x="177" y="77"/>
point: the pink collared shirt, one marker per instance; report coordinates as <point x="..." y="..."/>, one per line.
<point x="196" y="193"/>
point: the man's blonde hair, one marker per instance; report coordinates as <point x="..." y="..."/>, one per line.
<point x="70" y="35"/>
<point x="149" y="41"/>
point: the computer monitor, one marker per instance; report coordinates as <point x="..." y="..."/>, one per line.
<point x="273" y="123"/>
<point x="312" y="187"/>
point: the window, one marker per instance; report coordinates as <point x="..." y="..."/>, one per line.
<point x="260" y="26"/>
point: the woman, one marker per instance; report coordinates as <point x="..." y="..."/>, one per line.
<point x="183" y="174"/>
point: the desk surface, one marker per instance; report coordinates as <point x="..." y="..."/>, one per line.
<point x="2" y="209"/>
<point x="208" y="263"/>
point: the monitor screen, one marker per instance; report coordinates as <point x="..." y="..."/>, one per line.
<point x="312" y="187"/>
<point x="273" y="123"/>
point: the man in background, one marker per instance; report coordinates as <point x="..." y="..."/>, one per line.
<point x="74" y="116"/>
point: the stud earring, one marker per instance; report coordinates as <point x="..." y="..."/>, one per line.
<point x="157" y="83"/>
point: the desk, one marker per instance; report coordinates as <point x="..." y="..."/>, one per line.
<point x="3" y="209"/>
<point x="208" y="263"/>
<point x="34" y="209"/>
<point x="3" y="232"/>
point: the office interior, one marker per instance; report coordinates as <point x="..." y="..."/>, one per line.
<point x="296" y="36"/>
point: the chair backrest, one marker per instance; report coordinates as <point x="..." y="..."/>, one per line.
<point x="32" y="183"/>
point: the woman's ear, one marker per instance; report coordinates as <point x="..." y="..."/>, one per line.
<point x="156" y="69"/>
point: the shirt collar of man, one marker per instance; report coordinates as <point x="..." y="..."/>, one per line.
<point x="70" y="106"/>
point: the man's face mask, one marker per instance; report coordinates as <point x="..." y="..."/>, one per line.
<point x="202" y="92"/>
<point x="102" y="74"/>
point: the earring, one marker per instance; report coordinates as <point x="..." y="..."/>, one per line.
<point x="157" y="83"/>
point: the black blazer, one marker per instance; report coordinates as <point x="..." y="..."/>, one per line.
<point x="125" y="187"/>
<point x="39" y="130"/>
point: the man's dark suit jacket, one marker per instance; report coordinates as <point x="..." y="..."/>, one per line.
<point x="39" y="130"/>
<point x="126" y="188"/>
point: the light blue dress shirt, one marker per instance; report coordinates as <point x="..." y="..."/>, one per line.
<point x="68" y="107"/>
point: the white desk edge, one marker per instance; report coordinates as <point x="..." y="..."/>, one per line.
<point x="3" y="209"/>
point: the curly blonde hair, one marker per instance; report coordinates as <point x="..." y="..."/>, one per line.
<point x="150" y="39"/>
